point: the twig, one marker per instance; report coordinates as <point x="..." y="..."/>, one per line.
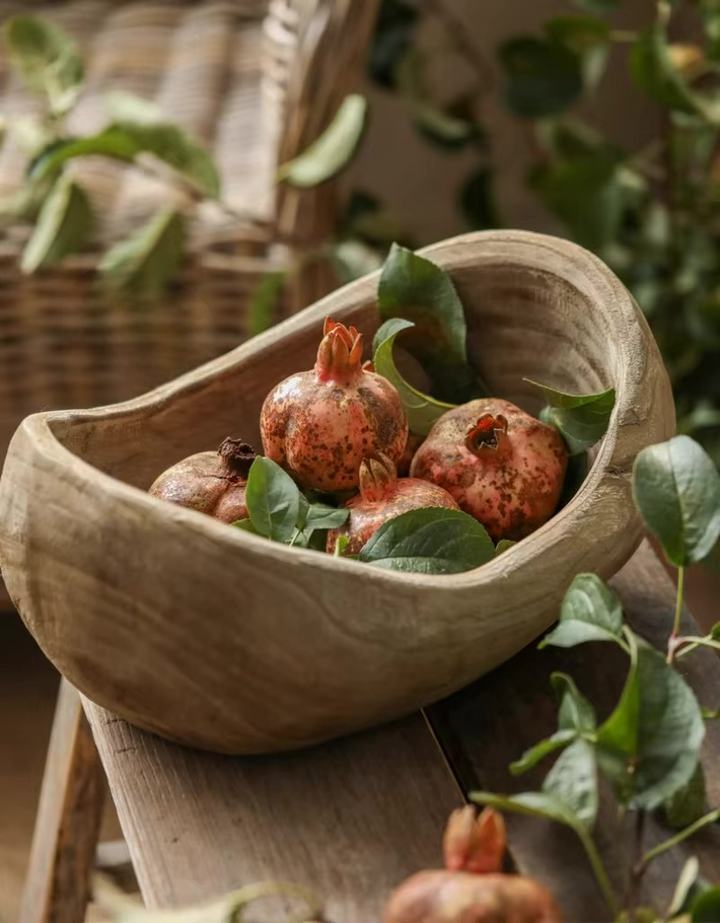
<point x="638" y="868"/>
<point x="658" y="850"/>
<point x="599" y="870"/>
<point x="672" y="640"/>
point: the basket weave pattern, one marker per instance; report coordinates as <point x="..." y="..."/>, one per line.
<point x="256" y="81"/>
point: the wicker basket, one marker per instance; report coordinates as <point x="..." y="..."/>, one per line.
<point x="256" y="81"/>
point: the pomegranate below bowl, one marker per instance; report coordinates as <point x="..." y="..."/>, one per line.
<point x="215" y="637"/>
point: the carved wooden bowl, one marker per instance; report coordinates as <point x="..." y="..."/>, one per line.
<point x="215" y="637"/>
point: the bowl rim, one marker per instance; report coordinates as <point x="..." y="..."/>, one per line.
<point x="610" y="469"/>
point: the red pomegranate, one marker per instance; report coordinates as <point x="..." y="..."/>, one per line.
<point x="319" y="425"/>
<point x="471" y="889"/>
<point x="474" y="843"/>
<point x="210" y="482"/>
<point x="383" y="496"/>
<point x="438" y="896"/>
<point x="501" y="465"/>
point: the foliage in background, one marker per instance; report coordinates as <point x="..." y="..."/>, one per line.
<point x="648" y="749"/>
<point x="51" y="199"/>
<point x="652" y="214"/>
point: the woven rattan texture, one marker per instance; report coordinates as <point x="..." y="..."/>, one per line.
<point x="256" y="82"/>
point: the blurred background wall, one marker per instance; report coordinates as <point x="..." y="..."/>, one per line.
<point x="420" y="182"/>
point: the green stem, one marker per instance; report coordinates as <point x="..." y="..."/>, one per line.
<point x="599" y="871"/>
<point x="693" y="643"/>
<point x="678" y="615"/>
<point x="679" y="837"/>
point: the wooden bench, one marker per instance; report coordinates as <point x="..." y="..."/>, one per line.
<point x="354" y="817"/>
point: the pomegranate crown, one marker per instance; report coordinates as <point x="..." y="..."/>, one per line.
<point x="340" y="352"/>
<point x="474" y="844"/>
<point x="488" y="435"/>
<point x="375" y="475"/>
<point x="238" y="457"/>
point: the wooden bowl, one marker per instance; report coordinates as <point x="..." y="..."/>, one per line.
<point x="217" y="638"/>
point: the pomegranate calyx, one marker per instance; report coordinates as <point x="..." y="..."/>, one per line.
<point x="238" y="457"/>
<point x="474" y="843"/>
<point x="375" y="475"/>
<point x="489" y="433"/>
<point x="340" y="353"/>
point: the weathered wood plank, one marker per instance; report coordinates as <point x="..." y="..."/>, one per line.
<point x="349" y="819"/>
<point x="68" y="820"/>
<point x="491" y="723"/>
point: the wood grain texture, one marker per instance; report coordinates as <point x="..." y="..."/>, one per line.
<point x="494" y="721"/>
<point x="68" y="820"/>
<point x="215" y="637"/>
<point x="348" y="820"/>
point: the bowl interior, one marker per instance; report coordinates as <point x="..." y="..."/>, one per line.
<point x="522" y="321"/>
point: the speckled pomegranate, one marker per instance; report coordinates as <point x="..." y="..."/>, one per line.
<point x="471" y="888"/>
<point x="319" y="425"/>
<point x="210" y="482"/>
<point x="501" y="465"/>
<point x="383" y="496"/>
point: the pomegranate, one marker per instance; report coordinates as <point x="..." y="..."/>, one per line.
<point x="438" y="896"/>
<point x="383" y="496"/>
<point x="472" y="843"/>
<point x="210" y="482"/>
<point x="471" y="890"/>
<point x="319" y="425"/>
<point x="501" y="465"/>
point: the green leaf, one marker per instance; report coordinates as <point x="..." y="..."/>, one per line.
<point x="576" y="712"/>
<point x="353" y="259"/>
<point x="477" y="201"/>
<point x="246" y="525"/>
<point x="648" y="748"/>
<point x="677" y="492"/>
<point x="129" y="108"/>
<point x="537" y="804"/>
<point x="706" y="907"/>
<point x="321" y="516"/>
<point x="264" y="302"/>
<point x="504" y="545"/>
<point x="63" y="226"/>
<point x="587" y="37"/>
<point x="143" y="264"/>
<point x="436" y="122"/>
<point x="126" y="141"/>
<point x="273" y="500"/>
<point x="688" y="803"/>
<point x="47" y="60"/>
<point x="537" y="753"/>
<point x="576" y="716"/>
<point x="340" y="546"/>
<point x="333" y="150"/>
<point x="415" y="289"/>
<point x="582" y="419"/>
<point x="429" y="541"/>
<point x="421" y="410"/>
<point x="686" y="880"/>
<point x="573" y="781"/>
<point x="393" y="37"/>
<point x="542" y="77"/>
<point x="111" y="142"/>
<point x="653" y="70"/>
<point x="590" y="611"/>
<point x="585" y="193"/>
